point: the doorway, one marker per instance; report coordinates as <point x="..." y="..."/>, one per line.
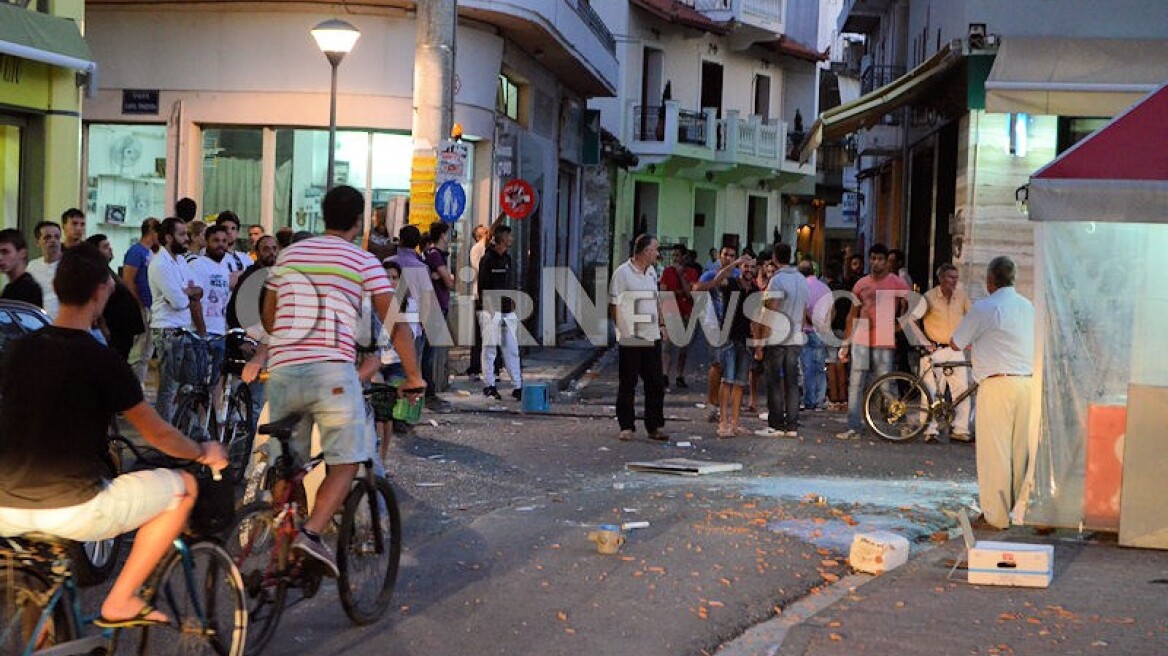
<point x="712" y="86"/>
<point x="645" y="204"/>
<point x="762" y="97"/>
<point x="705" y="218"/>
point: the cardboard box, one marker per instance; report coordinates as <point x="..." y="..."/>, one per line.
<point x="1011" y="563"/>
<point x="878" y="552"/>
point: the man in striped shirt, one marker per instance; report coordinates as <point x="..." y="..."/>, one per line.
<point x="311" y="315"/>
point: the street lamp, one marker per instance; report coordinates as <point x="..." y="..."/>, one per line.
<point x="335" y="38"/>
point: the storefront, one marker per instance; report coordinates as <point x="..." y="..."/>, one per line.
<point x="43" y="60"/>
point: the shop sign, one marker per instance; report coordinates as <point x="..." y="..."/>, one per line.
<point x="140" y="101"/>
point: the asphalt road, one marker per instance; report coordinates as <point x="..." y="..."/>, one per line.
<point x="497" y="507"/>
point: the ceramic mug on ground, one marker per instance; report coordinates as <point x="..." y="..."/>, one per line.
<point x="608" y="538"/>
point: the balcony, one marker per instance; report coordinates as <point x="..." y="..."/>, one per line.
<point x="880" y="139"/>
<point x="765" y="16"/>
<point x="732" y="147"/>
<point x="875" y="77"/>
<point x="568" y="37"/>
<point x="862" y="16"/>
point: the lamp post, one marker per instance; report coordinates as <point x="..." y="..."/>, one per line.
<point x="335" y="38"/>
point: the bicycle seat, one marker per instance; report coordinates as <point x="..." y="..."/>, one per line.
<point x="281" y="428"/>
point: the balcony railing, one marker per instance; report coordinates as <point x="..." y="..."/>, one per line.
<point x="767" y="14"/>
<point x="594" y="23"/>
<point x="664" y="130"/>
<point x="875" y="77"/>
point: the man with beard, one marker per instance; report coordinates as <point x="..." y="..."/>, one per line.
<point x="212" y="273"/>
<point x="177" y="306"/>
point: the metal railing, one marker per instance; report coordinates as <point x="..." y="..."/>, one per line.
<point x="835" y="156"/>
<point x="594" y="22"/>
<point x="875" y="77"/>
<point x="649" y="123"/>
<point x="691" y="127"/>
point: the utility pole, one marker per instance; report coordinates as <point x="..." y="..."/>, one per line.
<point x="433" y="101"/>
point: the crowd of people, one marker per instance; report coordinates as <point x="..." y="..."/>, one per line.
<point x="817" y="343"/>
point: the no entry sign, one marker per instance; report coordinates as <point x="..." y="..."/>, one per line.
<point x="517" y="199"/>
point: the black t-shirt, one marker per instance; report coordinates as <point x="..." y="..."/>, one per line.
<point x="740" y="323"/>
<point x="25" y="288"/>
<point x="61" y="389"/>
<point x="123" y="318"/>
<point x="495" y="275"/>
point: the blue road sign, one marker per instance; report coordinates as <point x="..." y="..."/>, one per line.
<point x="450" y="201"/>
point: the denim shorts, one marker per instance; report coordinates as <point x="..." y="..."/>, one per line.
<point x="331" y="396"/>
<point x="736" y="360"/>
<point x="124" y="504"/>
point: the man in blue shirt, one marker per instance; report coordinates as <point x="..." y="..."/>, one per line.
<point x="135" y="265"/>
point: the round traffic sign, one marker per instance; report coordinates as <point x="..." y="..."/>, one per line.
<point x="450" y="201"/>
<point x="517" y="199"/>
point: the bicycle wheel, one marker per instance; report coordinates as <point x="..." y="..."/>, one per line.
<point x="190" y="413"/>
<point x="203" y="597"/>
<point x="236" y="433"/>
<point x="23" y="594"/>
<point x="368" y="551"/>
<point x="896" y="407"/>
<point x="250" y="543"/>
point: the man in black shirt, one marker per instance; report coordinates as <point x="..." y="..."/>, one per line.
<point x="52" y="465"/>
<point x="13" y="262"/>
<point x="122" y="315"/>
<point x="499" y="324"/>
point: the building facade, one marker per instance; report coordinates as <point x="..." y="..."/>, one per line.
<point x="710" y="99"/>
<point x="961" y="100"/>
<point x="237" y="118"/>
<point x="45" y="69"/>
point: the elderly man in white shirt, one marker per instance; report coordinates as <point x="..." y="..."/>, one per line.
<point x="1000" y="331"/>
<point x="636" y="312"/>
<point x="177" y="306"/>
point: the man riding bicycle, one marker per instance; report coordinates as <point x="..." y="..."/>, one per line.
<point x="311" y="316"/>
<point x="61" y="391"/>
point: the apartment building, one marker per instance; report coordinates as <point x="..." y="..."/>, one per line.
<point x="961" y="100"/>
<point x="711" y="99"/>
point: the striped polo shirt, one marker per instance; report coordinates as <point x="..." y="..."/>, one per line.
<point x="319" y="284"/>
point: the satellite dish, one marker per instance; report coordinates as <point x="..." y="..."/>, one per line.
<point x="125" y="153"/>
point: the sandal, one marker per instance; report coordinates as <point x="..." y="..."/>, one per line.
<point x="725" y="432"/>
<point x="139" y="620"/>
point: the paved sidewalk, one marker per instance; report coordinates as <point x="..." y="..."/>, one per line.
<point x="1104" y="600"/>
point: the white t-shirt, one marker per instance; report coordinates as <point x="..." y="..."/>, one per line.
<point x="43" y="273"/>
<point x="215" y="279"/>
<point x="635" y="295"/>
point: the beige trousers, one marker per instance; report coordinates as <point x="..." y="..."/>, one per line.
<point x="1003" y="427"/>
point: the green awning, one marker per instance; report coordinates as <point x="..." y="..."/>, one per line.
<point x="40" y="37"/>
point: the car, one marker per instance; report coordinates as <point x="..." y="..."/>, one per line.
<point x="93" y="562"/>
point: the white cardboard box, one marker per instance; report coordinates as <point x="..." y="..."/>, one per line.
<point x="878" y="551"/>
<point x="1011" y="563"/>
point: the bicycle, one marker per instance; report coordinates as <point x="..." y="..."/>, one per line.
<point x="899" y="407"/>
<point x="197" y="586"/>
<point x="231" y="422"/>
<point x="368" y="545"/>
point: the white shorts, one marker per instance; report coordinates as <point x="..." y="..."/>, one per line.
<point x="126" y="503"/>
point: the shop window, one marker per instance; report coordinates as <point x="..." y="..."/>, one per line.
<point x="9" y="175"/>
<point x="1072" y="130"/>
<point x="232" y="172"/>
<point x="125" y="180"/>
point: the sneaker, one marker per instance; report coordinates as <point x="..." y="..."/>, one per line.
<point x="439" y="405"/>
<point x="492" y="392"/>
<point x="319" y="552"/>
<point x="681" y="383"/>
<point x="658" y="435"/>
<point x="626" y="436"/>
<point x="517" y="393"/>
<point x="769" y="432"/>
<point x="848" y="435"/>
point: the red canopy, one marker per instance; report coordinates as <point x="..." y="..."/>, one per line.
<point x="1119" y="173"/>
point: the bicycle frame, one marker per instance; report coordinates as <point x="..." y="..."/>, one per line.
<point x="65" y="590"/>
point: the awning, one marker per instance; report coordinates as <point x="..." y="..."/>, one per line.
<point x="870" y="108"/>
<point x="40" y="37"/>
<point x="1065" y="76"/>
<point x="1119" y="173"/>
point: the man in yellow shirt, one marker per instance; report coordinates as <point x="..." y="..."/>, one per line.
<point x="940" y="313"/>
